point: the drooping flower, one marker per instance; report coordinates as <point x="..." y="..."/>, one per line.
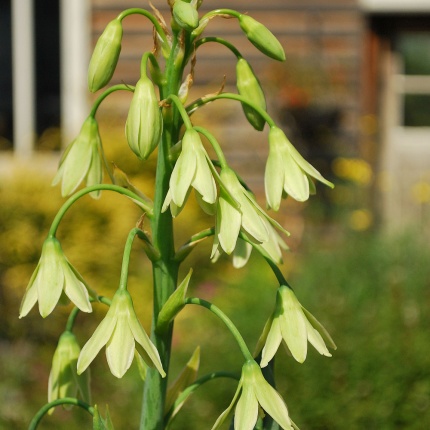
<point x="82" y="160"/>
<point x="63" y="378"/>
<point x="53" y="276"/>
<point x="287" y="171"/>
<point x="191" y="170"/>
<point x="144" y="124"/>
<point x="293" y="324"/>
<point x="105" y="56"/>
<point x="253" y="392"/>
<point x="250" y="88"/>
<point x="248" y="216"/>
<point x="119" y="331"/>
<point x="261" y="37"/>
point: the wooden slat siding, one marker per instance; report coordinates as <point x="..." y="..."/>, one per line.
<point x="329" y="30"/>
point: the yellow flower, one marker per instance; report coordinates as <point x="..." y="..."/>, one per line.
<point x="53" y="276"/>
<point x="191" y="170"/>
<point x="82" y="160"/>
<point x="294" y="325"/>
<point x="248" y="217"/>
<point x="287" y="171"/>
<point x="119" y="331"/>
<point x="254" y="391"/>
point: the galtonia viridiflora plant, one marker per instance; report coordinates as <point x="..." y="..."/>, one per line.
<point x="160" y="118"/>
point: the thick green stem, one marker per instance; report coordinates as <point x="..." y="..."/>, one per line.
<point x="165" y="269"/>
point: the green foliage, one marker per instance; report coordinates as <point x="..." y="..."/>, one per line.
<point x="371" y="293"/>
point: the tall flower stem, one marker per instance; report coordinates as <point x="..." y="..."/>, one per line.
<point x="165" y="269"/>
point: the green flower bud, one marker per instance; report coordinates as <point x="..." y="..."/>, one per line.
<point x="262" y="38"/>
<point x="105" y="56"/>
<point x="63" y="378"/>
<point x="185" y="15"/>
<point x="144" y="121"/>
<point x="249" y="87"/>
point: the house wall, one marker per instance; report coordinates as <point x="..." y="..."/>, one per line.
<point x="323" y="43"/>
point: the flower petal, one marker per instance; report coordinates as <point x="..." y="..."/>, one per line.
<point x="30" y="296"/>
<point x="120" y="347"/>
<point x="246" y="413"/>
<point x="203" y="180"/>
<point x="316" y="340"/>
<point x="97" y="341"/>
<point x="293" y="326"/>
<point x="319" y="328"/>
<point x="272" y="402"/>
<point x="229" y="220"/>
<point x="274" y="177"/>
<point x="76" y="164"/>
<point x="274" y="339"/>
<point x="308" y="168"/>
<point x="220" y="421"/>
<point x="241" y="253"/>
<point x="183" y="172"/>
<point x="49" y="281"/>
<point x="75" y="289"/>
<point x="95" y="171"/>
<point x="143" y="339"/>
<point x="296" y="183"/>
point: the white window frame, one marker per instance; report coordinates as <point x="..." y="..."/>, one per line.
<point x="74" y="53"/>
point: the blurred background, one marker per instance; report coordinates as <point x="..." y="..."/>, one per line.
<point x="353" y="97"/>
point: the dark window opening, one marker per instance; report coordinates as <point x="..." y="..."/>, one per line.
<point x="6" y="125"/>
<point x="47" y="30"/>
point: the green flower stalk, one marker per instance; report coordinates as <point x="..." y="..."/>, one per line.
<point x="185" y="15"/>
<point x="250" y="88"/>
<point x="261" y="37"/>
<point x="119" y="331"/>
<point x="63" y="378"/>
<point x="287" y="171"/>
<point x="253" y="392"/>
<point x="82" y="161"/>
<point x="105" y="56"/>
<point x="53" y="276"/>
<point x="191" y="170"/>
<point x="144" y="124"/>
<point x="293" y="324"/>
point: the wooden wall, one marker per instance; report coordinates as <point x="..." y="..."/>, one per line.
<point x="323" y="41"/>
